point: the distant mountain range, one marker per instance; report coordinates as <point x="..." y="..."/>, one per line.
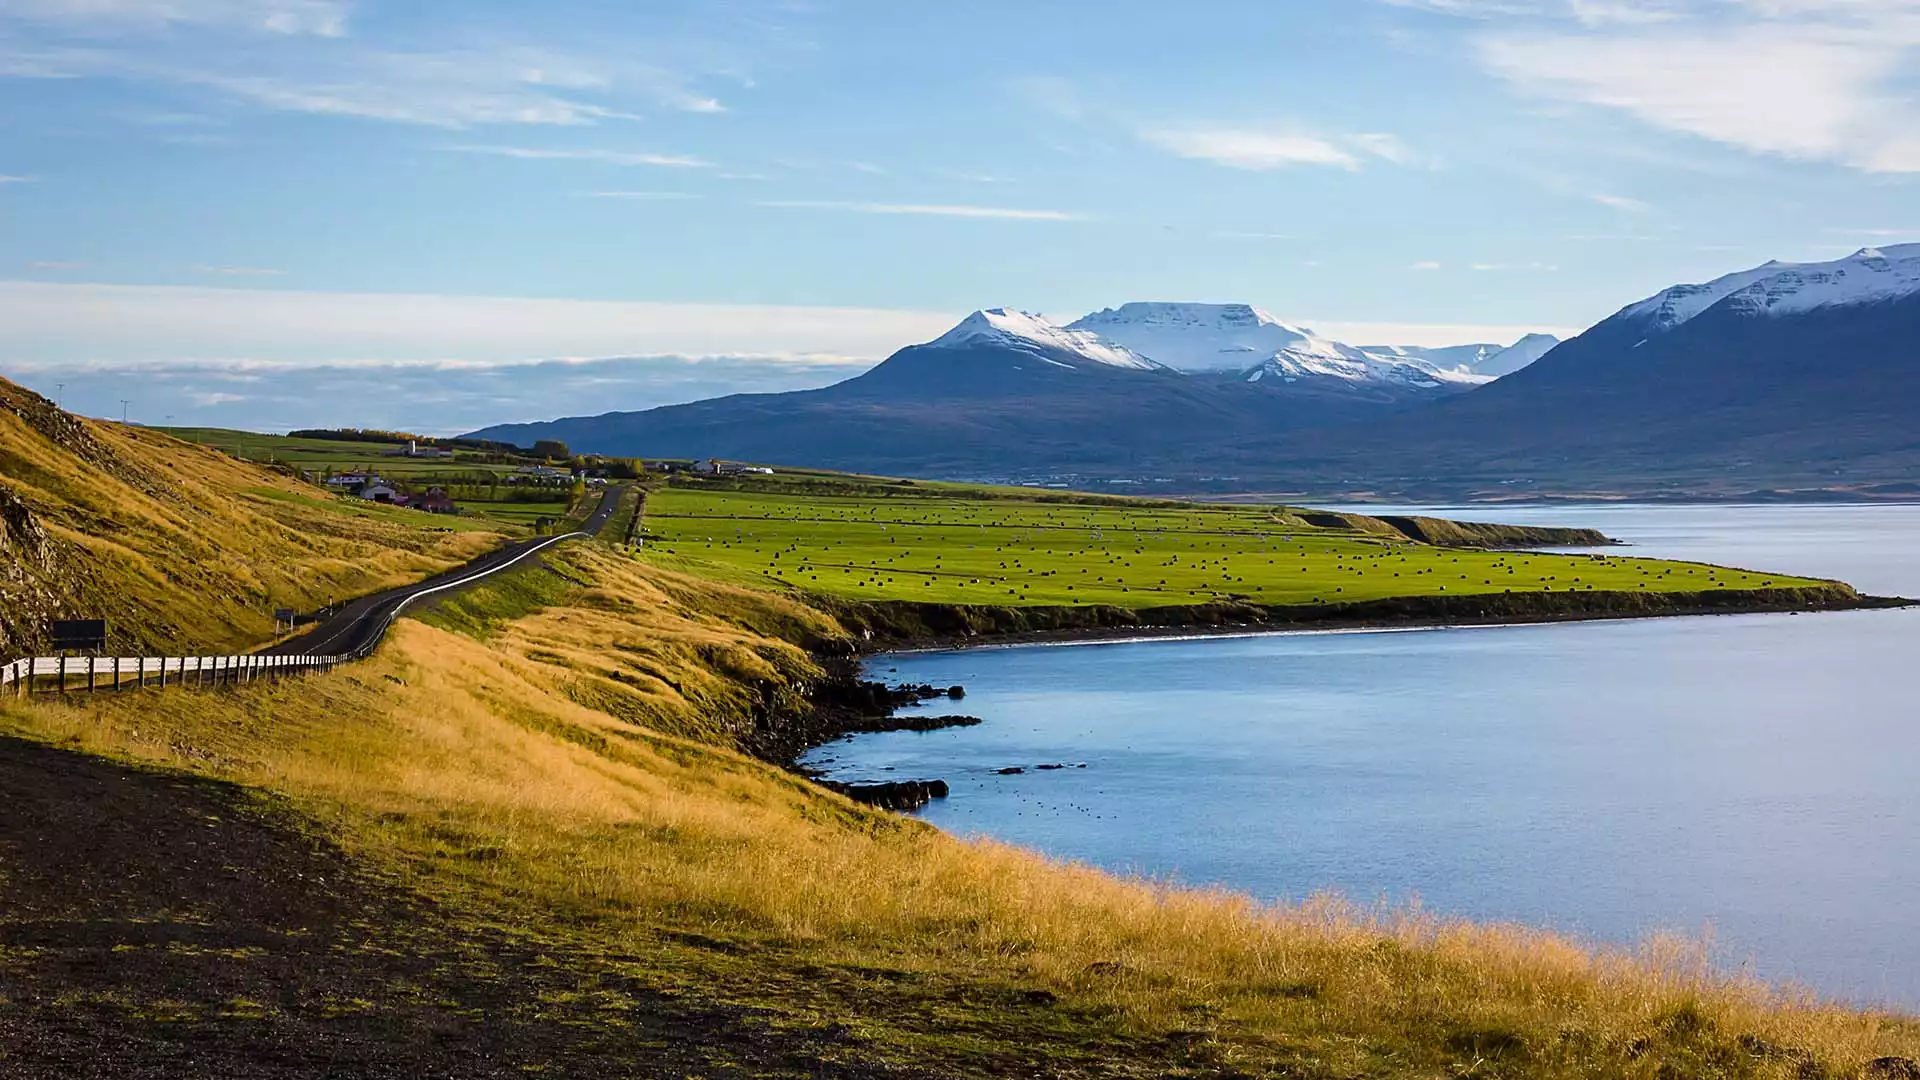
<point x="1007" y="393"/>
<point x="1784" y="376"/>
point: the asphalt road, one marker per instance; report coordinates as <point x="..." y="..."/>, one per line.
<point x="361" y="623"/>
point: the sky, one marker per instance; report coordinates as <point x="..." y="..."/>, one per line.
<point x="434" y="216"/>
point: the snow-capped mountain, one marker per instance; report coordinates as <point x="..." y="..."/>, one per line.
<point x="1780" y="377"/>
<point x="1025" y="332"/>
<point x="1240" y="338"/>
<point x="1492" y="360"/>
<point x="1868" y="276"/>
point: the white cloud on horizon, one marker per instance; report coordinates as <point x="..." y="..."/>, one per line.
<point x="54" y="323"/>
<point x="48" y="326"/>
<point x="428" y="398"/>
<point x="273" y="359"/>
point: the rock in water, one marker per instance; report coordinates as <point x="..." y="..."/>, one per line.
<point x="899" y="795"/>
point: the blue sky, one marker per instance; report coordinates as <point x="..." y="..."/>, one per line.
<point x="436" y="215"/>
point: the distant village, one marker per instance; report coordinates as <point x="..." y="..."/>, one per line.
<point x="368" y="484"/>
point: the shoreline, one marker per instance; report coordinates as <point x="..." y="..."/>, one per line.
<point x="911" y="626"/>
<point x="846" y="703"/>
<point x="1143" y="634"/>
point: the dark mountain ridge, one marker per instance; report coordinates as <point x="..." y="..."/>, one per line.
<point x="1784" y="377"/>
<point x="980" y="407"/>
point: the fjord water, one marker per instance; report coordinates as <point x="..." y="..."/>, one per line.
<point x="1752" y="778"/>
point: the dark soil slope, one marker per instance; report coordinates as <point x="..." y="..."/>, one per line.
<point x="161" y="926"/>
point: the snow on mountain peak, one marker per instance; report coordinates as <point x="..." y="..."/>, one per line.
<point x="1162" y="313"/>
<point x="1208" y="337"/>
<point x="1239" y="339"/>
<point x="1026" y="331"/>
<point x="1868" y="276"/>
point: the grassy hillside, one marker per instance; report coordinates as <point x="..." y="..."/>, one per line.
<point x="554" y="763"/>
<point x="881" y="542"/>
<point x="179" y="546"/>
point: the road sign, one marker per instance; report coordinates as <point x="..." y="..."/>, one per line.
<point x="78" y="634"/>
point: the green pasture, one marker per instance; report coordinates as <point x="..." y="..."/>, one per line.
<point x="948" y="548"/>
<point x="514" y="513"/>
<point x="339" y="455"/>
<point x="479" y="488"/>
<point x="360" y="508"/>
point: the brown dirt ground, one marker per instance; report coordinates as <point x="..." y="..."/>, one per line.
<point x="159" y="925"/>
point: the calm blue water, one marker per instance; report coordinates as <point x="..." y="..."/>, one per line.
<point x="1752" y="777"/>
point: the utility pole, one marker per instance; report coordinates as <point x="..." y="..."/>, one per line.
<point x="60" y="396"/>
<point x="123" y="411"/>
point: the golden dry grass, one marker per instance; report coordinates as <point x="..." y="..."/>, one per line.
<point x="182" y="548"/>
<point x="571" y="767"/>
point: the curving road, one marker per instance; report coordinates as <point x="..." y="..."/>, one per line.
<point x="357" y="627"/>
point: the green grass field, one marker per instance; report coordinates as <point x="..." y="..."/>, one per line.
<point x="947" y="548"/>
<point x="339" y="455"/>
<point x="475" y="484"/>
<point x="516" y="513"/>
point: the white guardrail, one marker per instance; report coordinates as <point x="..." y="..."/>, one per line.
<point x="118" y="672"/>
<point x="115" y="672"/>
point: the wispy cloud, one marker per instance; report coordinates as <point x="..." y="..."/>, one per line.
<point x="923" y="209"/>
<point x="55" y="264"/>
<point x="1263" y="150"/>
<point x="1811" y="80"/>
<point x="642" y="196"/>
<point x="240" y="271"/>
<point x="323" y="18"/>
<point x="207" y="399"/>
<point x="1425" y="265"/>
<point x="1257" y="150"/>
<point x="297" y="56"/>
<point x="18" y="179"/>
<point x="1876" y="234"/>
<point x="1472" y="9"/>
<point x="1621" y="202"/>
<point x="610" y="157"/>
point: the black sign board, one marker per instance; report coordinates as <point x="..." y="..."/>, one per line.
<point x="78" y="634"/>
<point x="285" y="614"/>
